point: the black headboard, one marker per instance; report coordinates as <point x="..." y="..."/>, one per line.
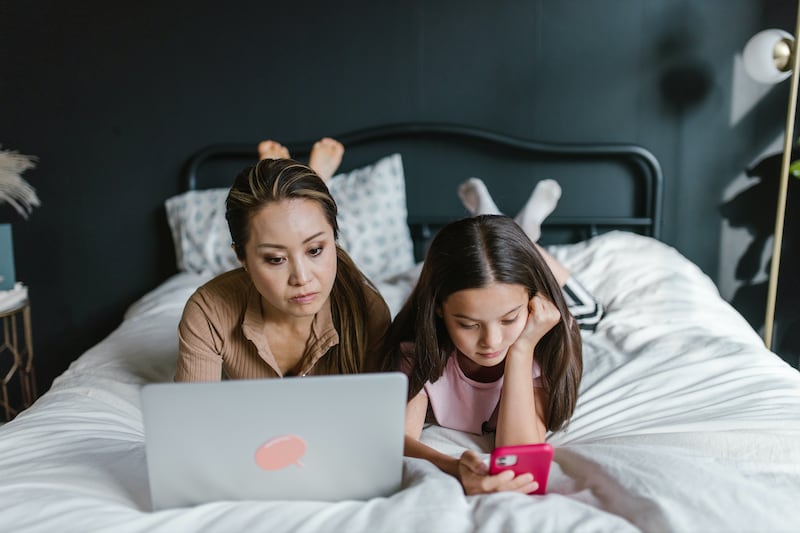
<point x="604" y="186"/>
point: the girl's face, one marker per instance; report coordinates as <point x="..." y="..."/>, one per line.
<point x="483" y="323"/>
<point x="291" y="258"/>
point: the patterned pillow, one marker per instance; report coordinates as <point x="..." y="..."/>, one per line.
<point x="200" y="232"/>
<point x="373" y="224"/>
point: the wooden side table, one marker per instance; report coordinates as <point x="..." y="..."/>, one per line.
<point x="16" y="358"/>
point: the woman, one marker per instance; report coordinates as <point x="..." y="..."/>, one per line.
<point x="298" y="305"/>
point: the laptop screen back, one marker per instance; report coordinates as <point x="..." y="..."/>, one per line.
<point x="326" y="438"/>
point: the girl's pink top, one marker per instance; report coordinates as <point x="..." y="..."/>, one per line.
<point x="461" y="403"/>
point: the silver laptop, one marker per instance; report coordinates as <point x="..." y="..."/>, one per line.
<point x="326" y="438"/>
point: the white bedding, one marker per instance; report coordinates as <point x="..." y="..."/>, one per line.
<point x="685" y="422"/>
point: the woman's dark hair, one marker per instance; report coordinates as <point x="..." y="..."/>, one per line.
<point x="472" y="253"/>
<point x="276" y="180"/>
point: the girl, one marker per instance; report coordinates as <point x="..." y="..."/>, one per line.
<point x="488" y="344"/>
<point x="298" y="305"/>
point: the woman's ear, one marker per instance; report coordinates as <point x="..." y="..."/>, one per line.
<point x="439" y="311"/>
<point x="241" y="261"/>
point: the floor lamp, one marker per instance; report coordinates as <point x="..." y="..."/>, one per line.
<point x="771" y="56"/>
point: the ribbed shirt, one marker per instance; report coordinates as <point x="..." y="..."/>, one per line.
<point x="222" y="334"/>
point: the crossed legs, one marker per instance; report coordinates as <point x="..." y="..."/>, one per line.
<point x="542" y="201"/>
<point x="326" y="155"/>
<point x="540" y="204"/>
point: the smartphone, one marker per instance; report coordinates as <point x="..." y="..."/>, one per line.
<point x="533" y="458"/>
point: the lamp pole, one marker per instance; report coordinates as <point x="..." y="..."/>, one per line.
<point x="772" y="288"/>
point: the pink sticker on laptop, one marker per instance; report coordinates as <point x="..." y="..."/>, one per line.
<point x="281" y="452"/>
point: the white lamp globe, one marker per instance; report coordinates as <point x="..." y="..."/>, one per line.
<point x="760" y="53"/>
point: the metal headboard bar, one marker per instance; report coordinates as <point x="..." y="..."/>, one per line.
<point x="642" y="158"/>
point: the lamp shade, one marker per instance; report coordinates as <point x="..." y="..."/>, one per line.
<point x="760" y="54"/>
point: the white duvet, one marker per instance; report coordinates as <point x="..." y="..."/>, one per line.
<point x="685" y="422"/>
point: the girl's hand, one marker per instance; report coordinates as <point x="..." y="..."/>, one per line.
<point x="475" y="478"/>
<point x="542" y="316"/>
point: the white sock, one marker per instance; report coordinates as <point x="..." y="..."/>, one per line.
<point x="542" y="202"/>
<point x="476" y="198"/>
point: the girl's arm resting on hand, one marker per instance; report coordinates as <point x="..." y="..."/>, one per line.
<point x="519" y="417"/>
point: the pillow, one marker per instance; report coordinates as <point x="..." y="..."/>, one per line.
<point x="373" y="226"/>
<point x="200" y="232"/>
<point x="373" y="219"/>
<point x="396" y="289"/>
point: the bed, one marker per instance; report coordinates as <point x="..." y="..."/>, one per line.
<point x="685" y="422"/>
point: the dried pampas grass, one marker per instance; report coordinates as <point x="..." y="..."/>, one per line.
<point x="13" y="189"/>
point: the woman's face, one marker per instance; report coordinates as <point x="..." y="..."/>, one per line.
<point x="291" y="258"/>
<point x="483" y="323"/>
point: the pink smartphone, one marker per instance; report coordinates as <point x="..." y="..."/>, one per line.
<point x="533" y="458"/>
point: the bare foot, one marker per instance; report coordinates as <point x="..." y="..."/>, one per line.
<point x="272" y="150"/>
<point x="326" y="156"/>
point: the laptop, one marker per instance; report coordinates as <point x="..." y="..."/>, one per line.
<point x="327" y="438"/>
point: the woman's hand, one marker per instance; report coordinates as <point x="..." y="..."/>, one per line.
<point x="474" y="476"/>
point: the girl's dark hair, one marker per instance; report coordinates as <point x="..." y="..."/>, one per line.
<point x="472" y="253"/>
<point x="275" y="180"/>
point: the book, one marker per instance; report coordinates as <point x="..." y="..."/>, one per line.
<point x="7" y="276"/>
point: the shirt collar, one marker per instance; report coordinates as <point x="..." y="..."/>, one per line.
<point x="323" y="333"/>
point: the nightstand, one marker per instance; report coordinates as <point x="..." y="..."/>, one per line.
<point x="16" y="359"/>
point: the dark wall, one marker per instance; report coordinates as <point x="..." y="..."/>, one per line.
<point x="114" y="98"/>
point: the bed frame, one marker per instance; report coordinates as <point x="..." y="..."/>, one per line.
<point x="604" y="186"/>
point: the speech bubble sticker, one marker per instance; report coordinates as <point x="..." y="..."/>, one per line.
<point x="281" y="452"/>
